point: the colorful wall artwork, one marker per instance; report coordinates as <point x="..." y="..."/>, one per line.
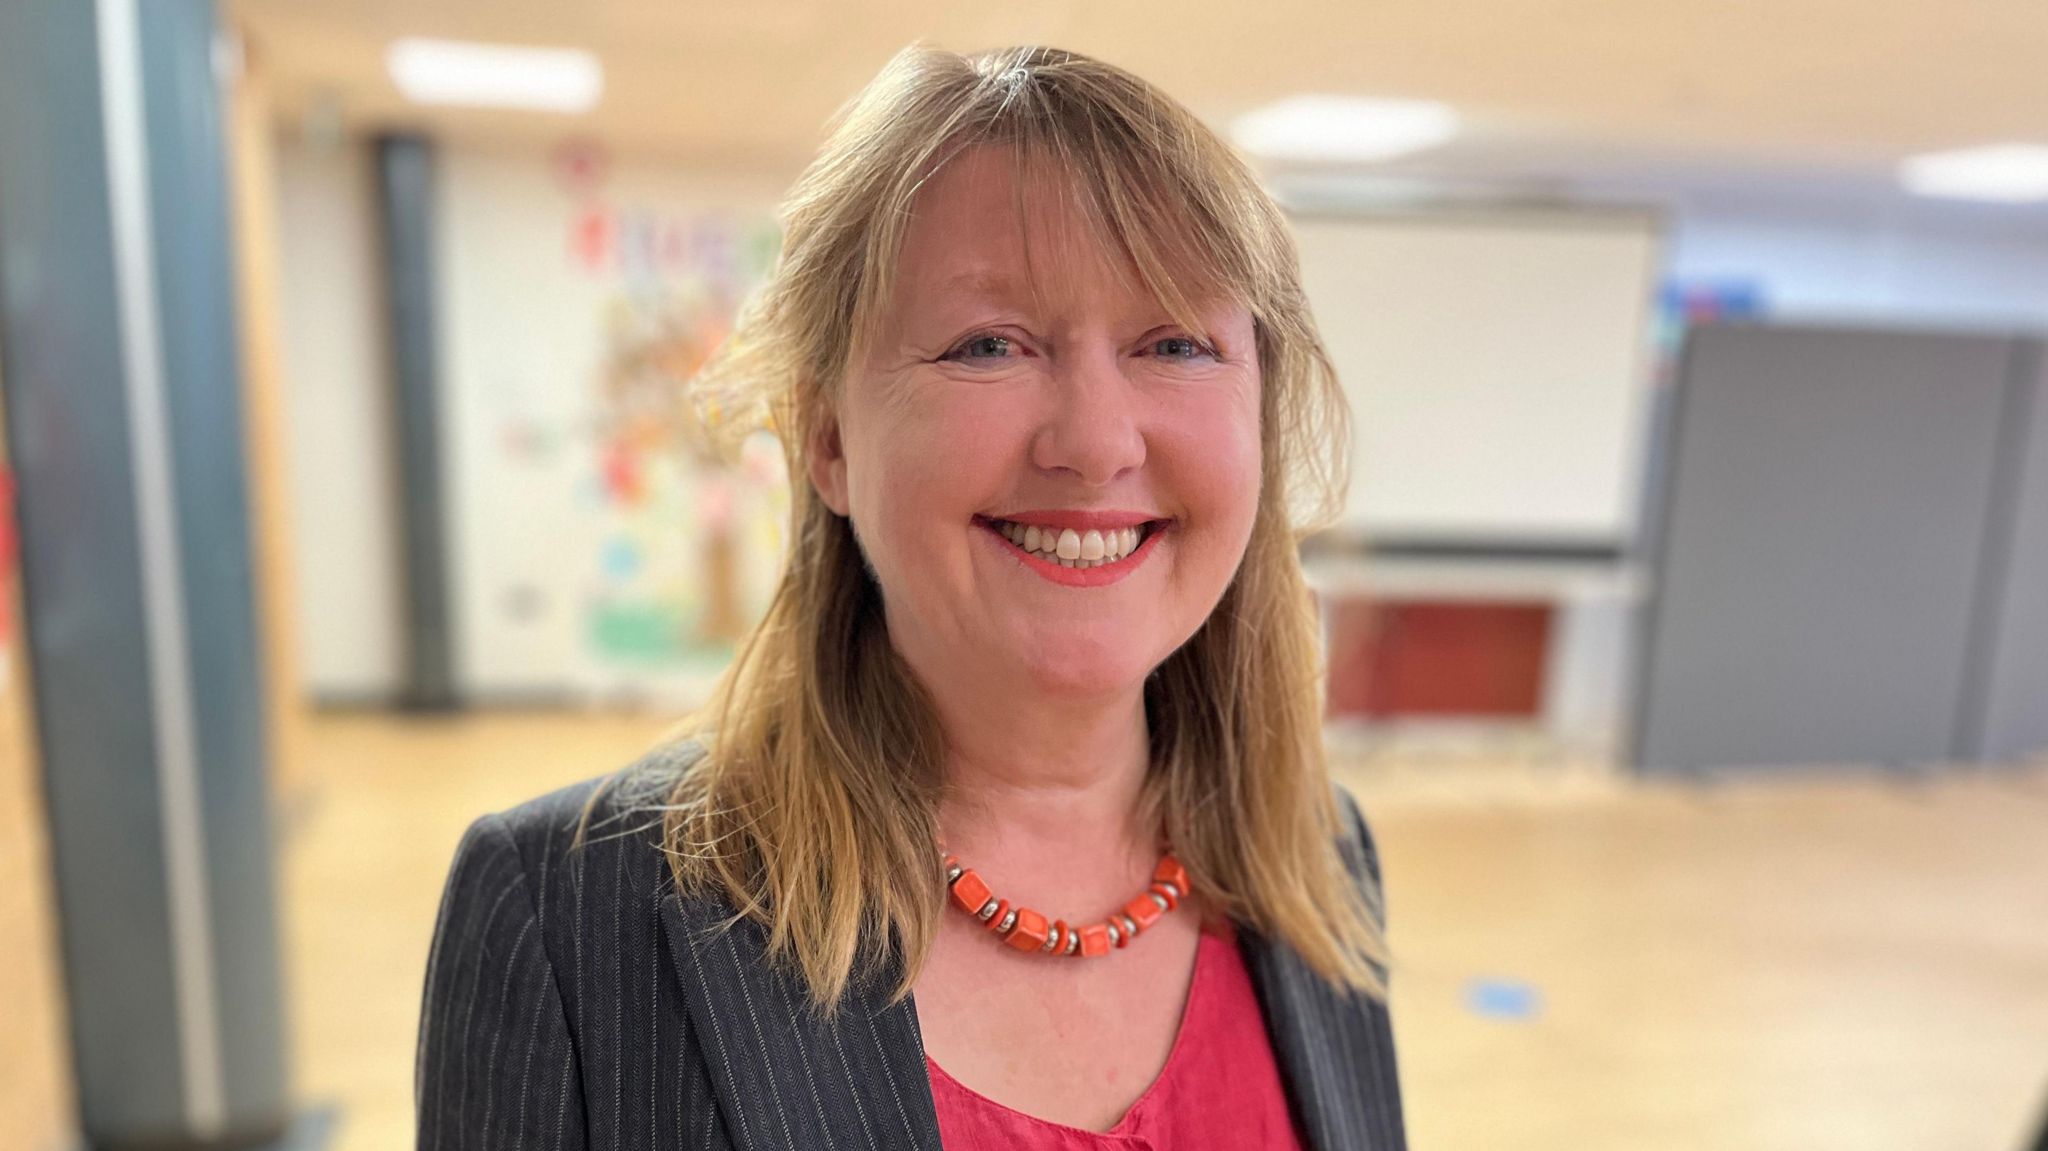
<point x="603" y="551"/>
<point x="688" y="542"/>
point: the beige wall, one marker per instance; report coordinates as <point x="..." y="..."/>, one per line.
<point x="252" y="193"/>
<point x="338" y="425"/>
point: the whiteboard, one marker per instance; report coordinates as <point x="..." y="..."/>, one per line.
<point x="1497" y="366"/>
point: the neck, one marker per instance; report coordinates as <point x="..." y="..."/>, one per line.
<point x="1029" y="781"/>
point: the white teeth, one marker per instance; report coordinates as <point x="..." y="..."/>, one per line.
<point x="1070" y="548"/>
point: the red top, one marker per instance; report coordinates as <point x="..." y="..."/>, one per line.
<point x="1219" y="1088"/>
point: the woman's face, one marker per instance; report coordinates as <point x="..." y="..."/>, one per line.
<point x="1053" y="488"/>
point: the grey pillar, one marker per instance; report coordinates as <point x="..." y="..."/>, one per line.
<point x="405" y="214"/>
<point x="118" y="352"/>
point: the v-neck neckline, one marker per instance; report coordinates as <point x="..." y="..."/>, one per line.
<point x="1204" y="963"/>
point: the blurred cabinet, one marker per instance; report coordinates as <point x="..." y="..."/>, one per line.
<point x="1505" y="639"/>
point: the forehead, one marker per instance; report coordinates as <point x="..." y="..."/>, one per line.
<point x="992" y="227"/>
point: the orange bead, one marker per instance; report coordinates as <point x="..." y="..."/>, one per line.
<point x="1029" y="934"/>
<point x="1095" y="940"/>
<point x="1060" y="936"/>
<point x="970" y="891"/>
<point x="1170" y="871"/>
<point x="1144" y="911"/>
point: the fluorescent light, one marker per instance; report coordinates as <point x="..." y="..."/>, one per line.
<point x="495" y="75"/>
<point x="1344" y="128"/>
<point x="2006" y="173"/>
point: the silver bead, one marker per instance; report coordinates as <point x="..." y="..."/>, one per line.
<point x="1009" y="921"/>
<point x="1052" y="940"/>
<point x="1114" y="934"/>
<point x="1174" y="888"/>
<point x="1130" y="925"/>
<point x="954" y="872"/>
<point x="1073" y="940"/>
<point x="1160" y="900"/>
<point x="988" y="910"/>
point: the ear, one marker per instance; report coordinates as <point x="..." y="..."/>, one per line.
<point x="828" y="463"/>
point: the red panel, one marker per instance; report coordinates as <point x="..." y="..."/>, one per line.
<point x="1438" y="658"/>
<point x="1354" y="639"/>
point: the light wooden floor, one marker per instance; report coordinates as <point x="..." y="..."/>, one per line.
<point x="35" y="1093"/>
<point x="1828" y="962"/>
<point x="1833" y="961"/>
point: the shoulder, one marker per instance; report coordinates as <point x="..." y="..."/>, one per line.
<point x="579" y="863"/>
<point x="555" y="827"/>
<point x="593" y="841"/>
<point x="549" y="922"/>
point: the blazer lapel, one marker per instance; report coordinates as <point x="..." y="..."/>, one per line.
<point x="1335" y="1051"/>
<point x="786" y="1080"/>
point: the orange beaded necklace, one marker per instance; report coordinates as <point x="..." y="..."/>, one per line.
<point x="1027" y="930"/>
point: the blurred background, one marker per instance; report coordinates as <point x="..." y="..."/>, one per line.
<point x="1687" y="632"/>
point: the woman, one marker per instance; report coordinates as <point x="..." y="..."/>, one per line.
<point x="1056" y="415"/>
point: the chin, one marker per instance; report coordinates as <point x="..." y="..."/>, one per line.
<point x="1083" y="678"/>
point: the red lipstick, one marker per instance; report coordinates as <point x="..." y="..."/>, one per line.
<point x="1099" y="576"/>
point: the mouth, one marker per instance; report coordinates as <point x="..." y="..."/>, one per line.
<point x="1082" y="549"/>
<point x="1076" y="547"/>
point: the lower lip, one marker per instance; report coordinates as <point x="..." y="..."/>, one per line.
<point x="1101" y="575"/>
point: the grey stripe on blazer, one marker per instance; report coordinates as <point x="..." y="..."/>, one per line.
<point x="573" y="1001"/>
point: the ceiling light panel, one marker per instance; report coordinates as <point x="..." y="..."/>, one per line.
<point x="1344" y="129"/>
<point x="2002" y="173"/>
<point x="475" y="75"/>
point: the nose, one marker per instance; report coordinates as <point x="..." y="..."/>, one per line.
<point x="1092" y="429"/>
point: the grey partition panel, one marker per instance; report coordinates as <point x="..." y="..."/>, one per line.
<point x="2014" y="718"/>
<point x="1821" y="546"/>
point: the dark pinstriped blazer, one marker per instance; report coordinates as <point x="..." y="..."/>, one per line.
<point x="574" y="1001"/>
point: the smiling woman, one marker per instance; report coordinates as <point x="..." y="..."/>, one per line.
<point x="1057" y="418"/>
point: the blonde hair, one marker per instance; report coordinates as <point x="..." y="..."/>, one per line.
<point x="813" y="807"/>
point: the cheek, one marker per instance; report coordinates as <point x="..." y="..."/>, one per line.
<point x="921" y="469"/>
<point x="1217" y="461"/>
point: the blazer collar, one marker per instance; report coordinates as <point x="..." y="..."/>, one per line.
<point x="786" y="1079"/>
<point x="1335" y="1050"/>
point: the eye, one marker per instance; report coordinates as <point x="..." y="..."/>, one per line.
<point x="1181" y="348"/>
<point x="983" y="347"/>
